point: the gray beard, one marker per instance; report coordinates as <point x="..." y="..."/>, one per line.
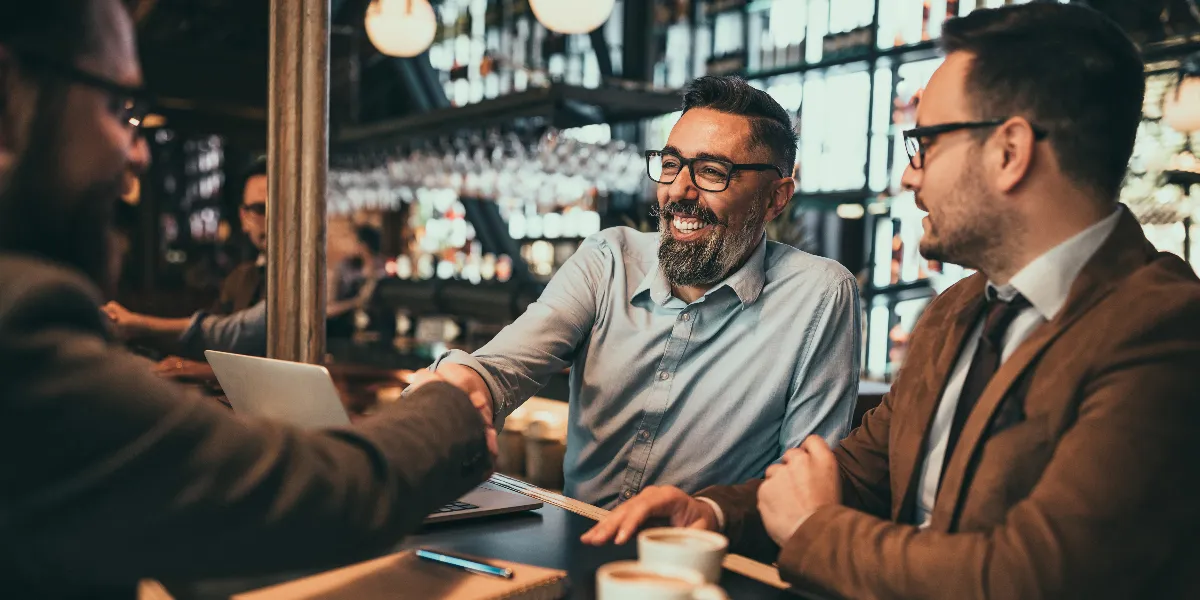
<point x="709" y="260"/>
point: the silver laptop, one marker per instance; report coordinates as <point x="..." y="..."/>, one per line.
<point x="304" y="395"/>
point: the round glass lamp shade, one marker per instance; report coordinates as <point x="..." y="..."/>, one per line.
<point x="401" y="27"/>
<point x="571" y="16"/>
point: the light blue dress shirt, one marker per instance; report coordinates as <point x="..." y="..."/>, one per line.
<point x="663" y="392"/>
<point x="1046" y="284"/>
<point x="243" y="332"/>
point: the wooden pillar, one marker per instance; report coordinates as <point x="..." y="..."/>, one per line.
<point x="297" y="159"/>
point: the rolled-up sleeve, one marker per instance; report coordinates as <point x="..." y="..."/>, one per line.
<point x="520" y="360"/>
<point x="825" y="387"/>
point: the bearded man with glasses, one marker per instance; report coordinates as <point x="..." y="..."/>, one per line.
<point x="698" y="354"/>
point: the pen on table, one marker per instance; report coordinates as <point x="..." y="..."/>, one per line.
<point x="467" y="565"/>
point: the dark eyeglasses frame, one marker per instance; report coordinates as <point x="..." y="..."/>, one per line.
<point x="258" y="208"/>
<point x="915" y="149"/>
<point x="130" y="104"/>
<point x="688" y="162"/>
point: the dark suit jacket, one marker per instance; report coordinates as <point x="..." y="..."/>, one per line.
<point x="1077" y="473"/>
<point x="111" y="474"/>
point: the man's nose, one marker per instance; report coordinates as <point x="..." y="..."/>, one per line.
<point x="683" y="188"/>
<point x="911" y="180"/>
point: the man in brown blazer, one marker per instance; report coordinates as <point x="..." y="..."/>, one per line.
<point x="1040" y="441"/>
<point x="110" y="474"/>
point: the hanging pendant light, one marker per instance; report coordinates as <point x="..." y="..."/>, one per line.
<point x="571" y="16"/>
<point x="401" y="27"/>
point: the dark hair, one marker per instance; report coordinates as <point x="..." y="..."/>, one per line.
<point x="369" y="237"/>
<point x="236" y="188"/>
<point x="58" y="29"/>
<point x="1069" y="70"/>
<point x="770" y="125"/>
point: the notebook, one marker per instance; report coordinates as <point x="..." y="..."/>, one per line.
<point x="403" y="575"/>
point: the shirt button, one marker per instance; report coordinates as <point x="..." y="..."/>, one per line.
<point x="627" y="494"/>
<point x="643" y="435"/>
<point x="663" y="375"/>
<point x="686" y="317"/>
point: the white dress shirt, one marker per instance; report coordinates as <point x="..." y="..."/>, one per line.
<point x="1045" y="283"/>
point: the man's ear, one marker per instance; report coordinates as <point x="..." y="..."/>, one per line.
<point x="17" y="96"/>
<point x="781" y="193"/>
<point x="8" y="118"/>
<point x="7" y="77"/>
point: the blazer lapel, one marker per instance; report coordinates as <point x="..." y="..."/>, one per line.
<point x="916" y="409"/>
<point x="1124" y="252"/>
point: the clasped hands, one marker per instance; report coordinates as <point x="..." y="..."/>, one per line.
<point x="806" y="479"/>
<point x="466" y="379"/>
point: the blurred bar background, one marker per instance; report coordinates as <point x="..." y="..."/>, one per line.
<point x="485" y="159"/>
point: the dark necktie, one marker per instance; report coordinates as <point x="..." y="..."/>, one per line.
<point x="984" y="365"/>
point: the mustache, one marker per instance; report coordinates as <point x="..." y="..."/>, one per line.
<point x="689" y="209"/>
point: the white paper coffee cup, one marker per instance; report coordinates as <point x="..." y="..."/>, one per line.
<point x="696" y="549"/>
<point x="633" y="580"/>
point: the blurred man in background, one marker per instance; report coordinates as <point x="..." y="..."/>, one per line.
<point x="353" y="282"/>
<point x="243" y="289"/>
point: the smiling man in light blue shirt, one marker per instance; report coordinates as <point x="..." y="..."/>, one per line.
<point x="698" y="355"/>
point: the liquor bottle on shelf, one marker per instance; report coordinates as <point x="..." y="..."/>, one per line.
<point x="951" y="9"/>
<point x="897" y="251"/>
<point x="760" y="50"/>
<point x="728" y="44"/>
<point x="927" y="9"/>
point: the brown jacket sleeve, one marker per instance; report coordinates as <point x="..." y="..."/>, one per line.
<point x="112" y="474"/>
<point x="1115" y="502"/>
<point x="863" y="460"/>
<point x="240" y="290"/>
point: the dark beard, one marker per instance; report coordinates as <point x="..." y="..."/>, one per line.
<point x="709" y="260"/>
<point x="39" y="218"/>
<point x="969" y="237"/>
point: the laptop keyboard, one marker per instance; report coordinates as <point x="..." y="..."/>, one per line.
<point x="455" y="507"/>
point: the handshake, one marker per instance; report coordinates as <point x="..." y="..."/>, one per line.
<point x="465" y="379"/>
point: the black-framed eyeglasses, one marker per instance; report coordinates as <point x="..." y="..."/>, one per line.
<point x="917" y="140"/>
<point x="258" y="208"/>
<point x="708" y="174"/>
<point x="128" y="104"/>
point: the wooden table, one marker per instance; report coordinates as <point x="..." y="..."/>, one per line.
<point x="547" y="537"/>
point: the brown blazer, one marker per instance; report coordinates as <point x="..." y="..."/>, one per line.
<point x="110" y="474"/>
<point x="244" y="287"/>
<point x="1077" y="474"/>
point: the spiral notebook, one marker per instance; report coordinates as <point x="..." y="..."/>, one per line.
<point x="403" y="575"/>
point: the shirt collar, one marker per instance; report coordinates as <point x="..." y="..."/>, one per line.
<point x="747" y="282"/>
<point x="1046" y="282"/>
